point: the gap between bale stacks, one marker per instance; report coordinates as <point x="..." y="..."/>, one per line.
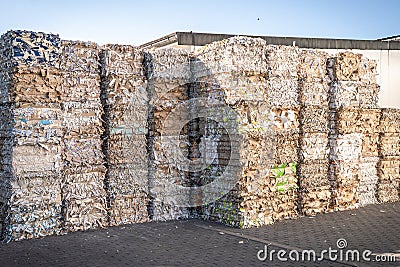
<point x="310" y="137"/>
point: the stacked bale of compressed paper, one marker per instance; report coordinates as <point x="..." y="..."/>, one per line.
<point x="168" y="74"/>
<point x="353" y="129"/>
<point x="84" y="196"/>
<point x="389" y="156"/>
<point x="258" y="82"/>
<point x="314" y="183"/>
<point x="125" y="104"/>
<point x="30" y="135"/>
<point x="363" y="122"/>
<point x="282" y="96"/>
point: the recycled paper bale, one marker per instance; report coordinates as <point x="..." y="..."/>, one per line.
<point x="388" y="189"/>
<point x="259" y="83"/>
<point x="125" y="101"/>
<point x="30" y="135"/>
<point x="169" y="75"/>
<point x="83" y="193"/>
<point x="368" y="178"/>
<point x="354" y="132"/>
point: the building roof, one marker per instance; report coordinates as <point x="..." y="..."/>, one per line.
<point x="201" y="39"/>
<point x="390" y="38"/>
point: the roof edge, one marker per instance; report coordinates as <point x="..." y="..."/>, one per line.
<point x="200" y="39"/>
<point x="162" y="41"/>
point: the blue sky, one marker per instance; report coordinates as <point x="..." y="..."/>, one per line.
<point x="136" y="22"/>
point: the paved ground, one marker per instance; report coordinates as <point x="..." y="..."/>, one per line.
<point x="199" y="243"/>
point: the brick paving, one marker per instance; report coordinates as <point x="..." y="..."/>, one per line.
<point x="199" y="243"/>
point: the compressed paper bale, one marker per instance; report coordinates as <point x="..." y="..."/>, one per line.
<point x="5" y="85"/>
<point x="127" y="120"/>
<point x="315" y="200"/>
<point x="350" y="120"/>
<point x="284" y="120"/>
<point x="368" y="178"/>
<point x="231" y="210"/>
<point x="127" y="149"/>
<point x="127" y="209"/>
<point x="254" y="153"/>
<point x="126" y="179"/>
<point x="31" y="48"/>
<point x="233" y="55"/>
<point x="345" y="171"/>
<point x="171" y="149"/>
<point x="31" y="124"/>
<point x="258" y="199"/>
<point x="83" y="152"/>
<point x="370" y="143"/>
<point x="253" y="117"/>
<point x="314" y="146"/>
<point x="282" y="92"/>
<point x="282" y="61"/>
<point x="167" y="212"/>
<point x="389" y="168"/>
<point x="287" y="146"/>
<point x="78" y="56"/>
<point x="347" y="67"/>
<point x="389" y="144"/>
<point x="122" y="60"/>
<point x="312" y="66"/>
<point x="311" y="167"/>
<point x="314" y="181"/>
<point x="346" y="198"/>
<point x="368" y="169"/>
<point x="168" y="64"/>
<point x="124" y="90"/>
<point x="313" y="119"/>
<point x="35" y="85"/>
<point x="390" y="120"/>
<point x="80" y="86"/>
<point x="168" y="173"/>
<point x="84" y="200"/>
<point x="369" y="95"/>
<point x="82" y="119"/>
<point x="232" y="88"/>
<point x="35" y="161"/>
<point x="33" y="208"/>
<point x="313" y="173"/>
<point x="314" y="94"/>
<point x="367" y="198"/>
<point x="161" y="108"/>
<point x="387" y="192"/>
<point x="163" y="197"/>
<point x="345" y="147"/>
<point x="344" y="94"/>
<point x="164" y="89"/>
<point x="368" y="71"/>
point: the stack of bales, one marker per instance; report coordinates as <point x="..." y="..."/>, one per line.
<point x="125" y="104"/>
<point x="389" y="156"/>
<point x="353" y="129"/>
<point x="314" y="185"/>
<point x="259" y="83"/>
<point x="84" y="196"/>
<point x="30" y="135"/>
<point x="168" y="76"/>
<point x="282" y="97"/>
